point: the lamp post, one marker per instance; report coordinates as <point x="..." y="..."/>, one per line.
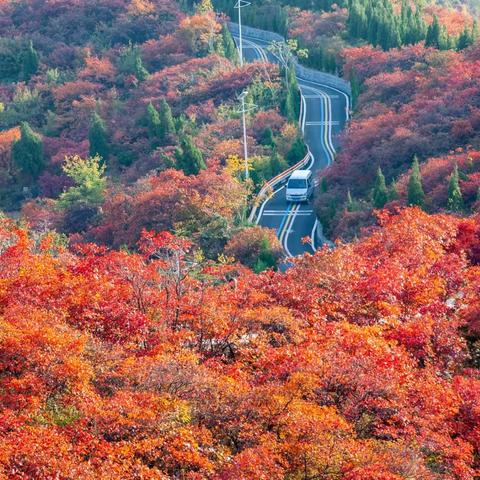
<point x="239" y="5"/>
<point x="243" y="111"/>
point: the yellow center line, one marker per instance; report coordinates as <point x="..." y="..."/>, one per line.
<point x="291" y="217"/>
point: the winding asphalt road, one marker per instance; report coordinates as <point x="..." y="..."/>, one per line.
<point x="324" y="115"/>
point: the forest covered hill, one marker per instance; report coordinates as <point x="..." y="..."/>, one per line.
<point x="146" y="331"/>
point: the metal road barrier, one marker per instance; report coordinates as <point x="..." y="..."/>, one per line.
<point x="304" y="73"/>
<point x="269" y="187"/>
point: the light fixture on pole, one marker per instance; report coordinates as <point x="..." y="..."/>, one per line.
<point x="243" y="111"/>
<point x="239" y="5"/>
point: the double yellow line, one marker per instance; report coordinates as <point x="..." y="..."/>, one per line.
<point x="287" y="223"/>
<point x="327" y="130"/>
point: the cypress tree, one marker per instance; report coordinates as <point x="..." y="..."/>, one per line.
<point x="27" y="153"/>
<point x="153" y="121"/>
<point x="98" y="138"/>
<point x="420" y="26"/>
<point x="291" y="103"/>
<point x="355" y="88"/>
<point x="465" y="39"/>
<point x="30" y="62"/>
<point x="380" y="192"/>
<point x="140" y="71"/>
<point x="167" y="125"/>
<point x="392" y="192"/>
<point x="189" y="157"/>
<point x="434" y="34"/>
<point x="229" y="49"/>
<point x="455" y="198"/>
<point x="130" y="62"/>
<point x="416" y="196"/>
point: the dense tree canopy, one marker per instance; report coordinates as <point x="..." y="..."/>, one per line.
<point x="149" y="331"/>
<point x="160" y="364"/>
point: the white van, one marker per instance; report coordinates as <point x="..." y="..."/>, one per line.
<point x="300" y="186"/>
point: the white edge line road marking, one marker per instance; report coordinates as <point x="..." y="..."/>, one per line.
<point x="347" y="98"/>
<point x="327" y="141"/>
<point x="314" y="233"/>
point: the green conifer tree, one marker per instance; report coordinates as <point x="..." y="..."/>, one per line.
<point x="455" y="198"/>
<point x="229" y="49"/>
<point x="392" y="192"/>
<point x="153" y="121"/>
<point x="416" y="195"/>
<point x="130" y="62"/>
<point x="27" y="153"/>
<point x="465" y="39"/>
<point x="189" y="157"/>
<point x="30" y="62"/>
<point x="167" y="124"/>
<point x="380" y="192"/>
<point x="355" y="84"/>
<point x="98" y="138"/>
<point x="434" y="34"/>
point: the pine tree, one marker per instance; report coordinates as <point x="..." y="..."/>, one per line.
<point x="392" y="192"/>
<point x="434" y="34"/>
<point x="98" y="138"/>
<point x="229" y="49"/>
<point x="131" y="63"/>
<point x="140" y="71"/>
<point x="416" y="196"/>
<point x="380" y="192"/>
<point x="189" y="157"/>
<point x="291" y="103"/>
<point x="30" y="62"/>
<point x="465" y="39"/>
<point x="455" y="198"/>
<point x="153" y="121"/>
<point x="355" y="88"/>
<point x="167" y="124"/>
<point x="27" y="153"/>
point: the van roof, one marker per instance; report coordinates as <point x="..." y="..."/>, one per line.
<point x="301" y="174"/>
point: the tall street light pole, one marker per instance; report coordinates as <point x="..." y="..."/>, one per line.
<point x="243" y="111"/>
<point x="245" y="146"/>
<point x="239" y="5"/>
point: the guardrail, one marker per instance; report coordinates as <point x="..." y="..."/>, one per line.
<point x="255" y="32"/>
<point x="306" y="73"/>
<point x="269" y="187"/>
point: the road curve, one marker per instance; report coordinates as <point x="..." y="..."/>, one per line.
<point x="323" y="117"/>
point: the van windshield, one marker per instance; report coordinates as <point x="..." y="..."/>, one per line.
<point x="297" y="183"/>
